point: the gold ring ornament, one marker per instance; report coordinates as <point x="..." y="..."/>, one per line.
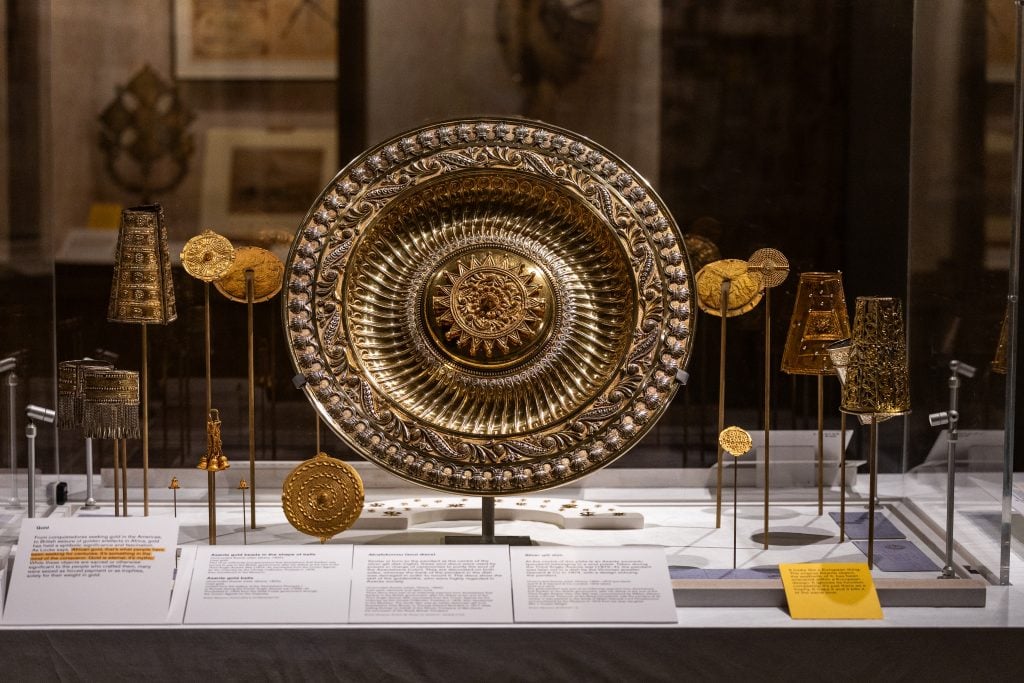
<point x="489" y="306"/>
<point x="323" y="496"/>
<point x="267" y="275"/>
<point x="207" y="256"/>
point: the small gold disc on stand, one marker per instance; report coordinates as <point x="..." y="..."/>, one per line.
<point x="735" y="441"/>
<point x="744" y="295"/>
<point x="771" y="265"/>
<point x="267" y="275"/>
<point x="323" y="496"/>
<point x="207" y="256"/>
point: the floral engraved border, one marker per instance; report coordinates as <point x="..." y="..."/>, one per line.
<point x="608" y="426"/>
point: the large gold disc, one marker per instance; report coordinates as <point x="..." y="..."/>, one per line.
<point x="323" y="496"/>
<point x="745" y="290"/>
<point x="489" y="306"/>
<point x="267" y="273"/>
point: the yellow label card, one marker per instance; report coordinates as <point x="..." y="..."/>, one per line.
<point x="830" y="591"/>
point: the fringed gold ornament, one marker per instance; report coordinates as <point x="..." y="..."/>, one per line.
<point x="71" y="390"/>
<point x="111" y="404"/>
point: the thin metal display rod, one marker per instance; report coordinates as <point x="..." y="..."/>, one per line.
<point x="842" y="477"/>
<point x="124" y="477"/>
<point x="767" y="410"/>
<point x="487" y="519"/>
<point x="211" y="481"/>
<point x="735" y="509"/>
<point x="249" y="296"/>
<point x="821" y="445"/>
<point x="30" y="434"/>
<point x="14" y="503"/>
<point x="90" y="502"/>
<point x="144" y="382"/>
<point x="873" y="488"/>
<point x="117" y="478"/>
<point x="726" y="286"/>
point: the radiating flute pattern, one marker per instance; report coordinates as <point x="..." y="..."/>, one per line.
<point x="492" y="306"/>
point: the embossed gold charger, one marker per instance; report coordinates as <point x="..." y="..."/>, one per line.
<point x="489" y="306"/>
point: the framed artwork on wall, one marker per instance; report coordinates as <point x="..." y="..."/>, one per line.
<point x="255" y="39"/>
<point x="255" y="179"/>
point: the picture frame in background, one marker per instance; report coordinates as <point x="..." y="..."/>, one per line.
<point x="258" y="179"/>
<point x="256" y="39"/>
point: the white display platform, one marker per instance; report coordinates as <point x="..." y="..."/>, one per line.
<point x="679" y="520"/>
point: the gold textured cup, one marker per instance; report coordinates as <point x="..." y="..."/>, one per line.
<point x="819" y="319"/>
<point x="877" y="376"/>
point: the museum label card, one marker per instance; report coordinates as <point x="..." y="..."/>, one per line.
<point x="101" y="570"/>
<point x="840" y="590"/>
<point x="270" y="585"/>
<point x="592" y="585"/>
<point x="431" y="585"/>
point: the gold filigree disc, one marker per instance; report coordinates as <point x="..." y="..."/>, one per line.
<point x="207" y="256"/>
<point x="323" y="496"/>
<point x="267" y="275"/>
<point x="771" y="265"/>
<point x="735" y="441"/>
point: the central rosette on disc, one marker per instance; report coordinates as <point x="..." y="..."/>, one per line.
<point x="488" y="307"/>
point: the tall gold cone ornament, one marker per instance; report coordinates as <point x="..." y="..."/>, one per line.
<point x="725" y="289"/>
<point x="877" y="378"/>
<point x="772" y="267"/>
<point x="143" y="293"/>
<point x="819" y="319"/>
<point x="256" y="275"/>
<point x="110" y="410"/>
<point x="206" y="257"/>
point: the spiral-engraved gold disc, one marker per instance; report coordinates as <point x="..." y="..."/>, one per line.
<point x="323" y="496"/>
<point x="489" y="306"/>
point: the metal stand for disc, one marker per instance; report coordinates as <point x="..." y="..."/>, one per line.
<point x="487" y="536"/>
<point x="35" y="414"/>
<point x="7" y="365"/>
<point x="951" y="417"/>
<point x="90" y="502"/>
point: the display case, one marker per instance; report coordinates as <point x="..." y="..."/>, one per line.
<point x="877" y="142"/>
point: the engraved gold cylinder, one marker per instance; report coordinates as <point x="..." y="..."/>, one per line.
<point x="71" y="390"/>
<point x="142" y="290"/>
<point x="819" y="319"/>
<point x="877" y="376"/>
